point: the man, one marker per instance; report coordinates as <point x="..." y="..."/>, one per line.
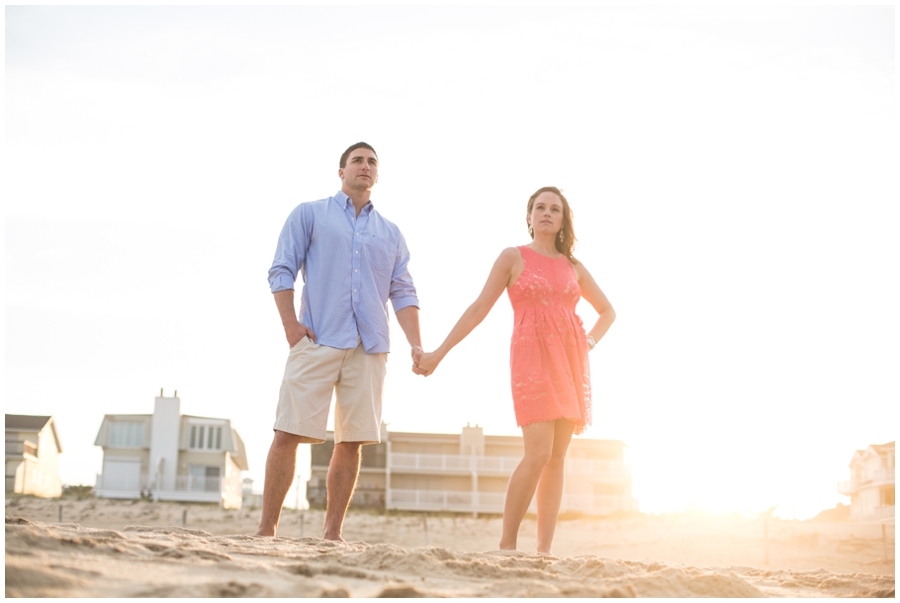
<point x="352" y="260"/>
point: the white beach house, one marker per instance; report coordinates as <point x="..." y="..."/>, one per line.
<point x="467" y="472"/>
<point x="32" y="454"/>
<point x="871" y="484"/>
<point x="171" y="456"/>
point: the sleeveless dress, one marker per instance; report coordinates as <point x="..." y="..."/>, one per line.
<point x="548" y="355"/>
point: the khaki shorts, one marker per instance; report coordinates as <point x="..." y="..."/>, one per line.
<point x="313" y="372"/>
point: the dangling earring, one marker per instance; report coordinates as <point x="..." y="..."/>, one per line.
<point x="561" y="237"/>
<point x="531" y="231"/>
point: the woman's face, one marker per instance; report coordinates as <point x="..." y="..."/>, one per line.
<point x="546" y="214"/>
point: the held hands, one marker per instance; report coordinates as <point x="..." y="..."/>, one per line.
<point x="427" y="364"/>
<point x="416" y="353"/>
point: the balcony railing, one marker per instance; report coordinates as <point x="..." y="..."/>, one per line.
<point x="455" y="463"/>
<point x="492" y="502"/>
<point x="497" y="464"/>
<point x="445" y="500"/>
<point x="183" y="483"/>
<point x="190" y="483"/>
<point x="884" y="512"/>
<point x="443" y="463"/>
<point x="877" y="478"/>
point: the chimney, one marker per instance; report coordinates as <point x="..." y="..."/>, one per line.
<point x="471" y="441"/>
<point x="164" y="436"/>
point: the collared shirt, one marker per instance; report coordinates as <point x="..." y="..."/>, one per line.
<point x="350" y="266"/>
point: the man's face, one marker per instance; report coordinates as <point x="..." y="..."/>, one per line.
<point x="361" y="171"/>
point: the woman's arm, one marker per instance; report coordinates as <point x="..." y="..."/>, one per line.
<point x="592" y="293"/>
<point x="497" y="281"/>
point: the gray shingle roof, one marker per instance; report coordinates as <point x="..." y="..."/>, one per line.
<point x="26" y="422"/>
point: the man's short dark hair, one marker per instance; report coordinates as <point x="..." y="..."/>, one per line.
<point x="358" y="145"/>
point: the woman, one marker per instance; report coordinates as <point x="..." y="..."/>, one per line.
<point x="550" y="373"/>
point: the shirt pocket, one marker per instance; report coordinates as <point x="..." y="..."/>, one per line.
<point x="380" y="255"/>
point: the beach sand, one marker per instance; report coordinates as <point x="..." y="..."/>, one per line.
<point x="137" y="548"/>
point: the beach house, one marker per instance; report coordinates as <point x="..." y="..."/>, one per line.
<point x="467" y="473"/>
<point x="871" y="484"/>
<point x="32" y="454"/>
<point x="251" y="499"/>
<point x="171" y="456"/>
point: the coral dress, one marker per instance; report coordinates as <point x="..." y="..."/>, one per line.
<point x="548" y="356"/>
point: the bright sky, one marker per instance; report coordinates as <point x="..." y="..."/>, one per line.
<point x="732" y="173"/>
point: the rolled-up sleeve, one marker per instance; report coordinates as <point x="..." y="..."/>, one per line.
<point x="403" y="292"/>
<point x="290" y="253"/>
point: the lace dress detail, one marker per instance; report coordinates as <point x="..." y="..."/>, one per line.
<point x="548" y="356"/>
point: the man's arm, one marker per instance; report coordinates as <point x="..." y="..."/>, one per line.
<point x="408" y="318"/>
<point x="406" y="305"/>
<point x="293" y="330"/>
<point x="290" y="255"/>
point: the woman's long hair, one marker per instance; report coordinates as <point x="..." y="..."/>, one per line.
<point x="567" y="244"/>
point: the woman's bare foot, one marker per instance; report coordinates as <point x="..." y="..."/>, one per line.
<point x="262" y="532"/>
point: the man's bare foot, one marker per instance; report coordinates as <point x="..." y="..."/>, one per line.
<point x="262" y="532"/>
<point x="333" y="537"/>
<point x="546" y="554"/>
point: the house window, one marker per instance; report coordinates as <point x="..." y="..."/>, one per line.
<point x="206" y="437"/>
<point x="126" y="434"/>
<point x="204" y="478"/>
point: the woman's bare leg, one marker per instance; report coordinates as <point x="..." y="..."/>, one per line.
<point x="538" y="438"/>
<point x="550" y="486"/>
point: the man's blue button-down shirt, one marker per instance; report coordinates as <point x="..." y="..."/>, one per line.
<point x="350" y="266"/>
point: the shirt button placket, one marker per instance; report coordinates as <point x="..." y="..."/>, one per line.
<point x="354" y="279"/>
<point x="358" y="228"/>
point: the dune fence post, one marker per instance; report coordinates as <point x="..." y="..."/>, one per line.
<point x="60" y="516"/>
<point x="302" y="517"/>
<point x="184" y="518"/>
<point x="766" y="539"/>
<point x="883" y="539"/>
<point x="425" y="525"/>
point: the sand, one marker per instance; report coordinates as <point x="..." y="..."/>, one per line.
<point x="136" y="548"/>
